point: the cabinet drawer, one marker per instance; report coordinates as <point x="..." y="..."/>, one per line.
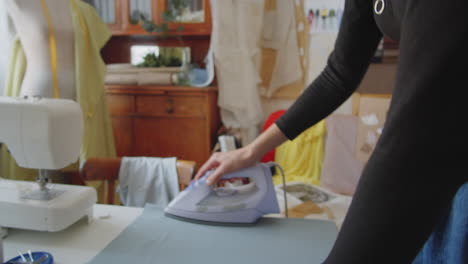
<point x="120" y="104"/>
<point x="184" y="138"/>
<point x="170" y="105"/>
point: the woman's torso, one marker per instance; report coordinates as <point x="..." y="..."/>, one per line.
<point x="388" y="15"/>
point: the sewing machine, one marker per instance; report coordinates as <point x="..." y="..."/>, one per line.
<point x="44" y="134"/>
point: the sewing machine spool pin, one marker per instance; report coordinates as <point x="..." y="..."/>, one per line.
<point x="44" y="193"/>
<point x="43" y="179"/>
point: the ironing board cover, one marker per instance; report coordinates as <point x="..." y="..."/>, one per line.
<point x="155" y="238"/>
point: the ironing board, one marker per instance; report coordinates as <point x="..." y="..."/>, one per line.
<point x="155" y="238"/>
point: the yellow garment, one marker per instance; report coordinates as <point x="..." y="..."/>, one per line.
<point x="302" y="157"/>
<point x="17" y="70"/>
<point x="91" y="34"/>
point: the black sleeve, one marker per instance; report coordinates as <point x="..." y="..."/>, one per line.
<point x="419" y="161"/>
<point x="355" y="45"/>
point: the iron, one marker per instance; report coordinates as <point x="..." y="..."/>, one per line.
<point x="239" y="198"/>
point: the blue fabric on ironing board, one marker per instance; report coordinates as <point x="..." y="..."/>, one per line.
<point x="156" y="238"/>
<point x="449" y="242"/>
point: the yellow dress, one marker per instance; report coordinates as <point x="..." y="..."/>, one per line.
<point x="91" y="34"/>
<point x="301" y="158"/>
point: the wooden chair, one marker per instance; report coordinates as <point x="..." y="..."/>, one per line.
<point x="107" y="169"/>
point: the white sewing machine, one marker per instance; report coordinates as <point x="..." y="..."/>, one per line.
<point x="44" y="134"/>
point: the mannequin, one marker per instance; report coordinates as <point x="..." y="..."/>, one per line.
<point x="6" y="35"/>
<point x="32" y="27"/>
<point x="79" y="34"/>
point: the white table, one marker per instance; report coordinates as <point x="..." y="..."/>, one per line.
<point x="80" y="242"/>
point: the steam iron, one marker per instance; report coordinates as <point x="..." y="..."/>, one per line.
<point x="238" y="198"/>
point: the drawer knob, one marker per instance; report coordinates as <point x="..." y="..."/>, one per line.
<point x="170" y="106"/>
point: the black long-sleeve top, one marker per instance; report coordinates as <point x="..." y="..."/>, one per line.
<point x="419" y="161"/>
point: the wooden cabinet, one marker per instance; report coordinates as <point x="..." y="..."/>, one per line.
<point x="118" y="14"/>
<point x="197" y="24"/>
<point x="164" y="121"/>
<point x="110" y="12"/>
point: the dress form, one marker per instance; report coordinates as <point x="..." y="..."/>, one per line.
<point x="7" y="37"/>
<point x="32" y="28"/>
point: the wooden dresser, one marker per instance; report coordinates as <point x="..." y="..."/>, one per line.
<point x="164" y="121"/>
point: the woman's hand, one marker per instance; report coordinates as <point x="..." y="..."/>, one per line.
<point x="226" y="162"/>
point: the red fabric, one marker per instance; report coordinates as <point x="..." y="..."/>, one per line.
<point x="270" y="156"/>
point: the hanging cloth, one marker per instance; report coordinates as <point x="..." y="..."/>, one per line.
<point x="284" y="49"/>
<point x="91" y="34"/>
<point x="234" y="43"/>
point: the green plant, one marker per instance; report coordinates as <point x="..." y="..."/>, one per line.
<point x="153" y="60"/>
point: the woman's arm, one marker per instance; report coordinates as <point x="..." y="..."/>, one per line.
<point x="354" y="47"/>
<point x="226" y="162"/>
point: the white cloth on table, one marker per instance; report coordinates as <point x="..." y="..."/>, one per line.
<point x="335" y="205"/>
<point x="148" y="180"/>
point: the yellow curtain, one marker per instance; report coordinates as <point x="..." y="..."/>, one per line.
<point x="302" y="157"/>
